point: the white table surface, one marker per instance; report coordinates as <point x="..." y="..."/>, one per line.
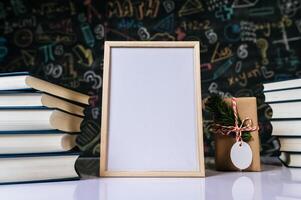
<point x="275" y="182"/>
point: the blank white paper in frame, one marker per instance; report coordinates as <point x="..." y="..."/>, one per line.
<point x="152" y="111"/>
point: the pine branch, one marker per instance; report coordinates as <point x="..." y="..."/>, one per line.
<point x="223" y="114"/>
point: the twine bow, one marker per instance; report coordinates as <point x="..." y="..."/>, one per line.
<point x="246" y="125"/>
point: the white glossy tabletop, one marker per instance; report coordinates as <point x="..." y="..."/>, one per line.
<point x="275" y="182"/>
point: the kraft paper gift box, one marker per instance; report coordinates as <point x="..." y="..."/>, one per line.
<point x="247" y="108"/>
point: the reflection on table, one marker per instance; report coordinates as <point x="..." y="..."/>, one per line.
<point x="275" y="182"/>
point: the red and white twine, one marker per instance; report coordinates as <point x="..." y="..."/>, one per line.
<point x="246" y="125"/>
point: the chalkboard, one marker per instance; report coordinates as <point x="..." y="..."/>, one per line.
<point x="243" y="43"/>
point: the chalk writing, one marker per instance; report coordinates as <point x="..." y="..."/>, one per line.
<point x="93" y="78"/>
<point x="195" y="25"/>
<point x="238" y="67"/>
<point x="143" y="33"/>
<point x="169" y="5"/>
<point x="84" y="55"/>
<point x="244" y="4"/>
<point x="262" y="44"/>
<point x="55" y="70"/>
<point x="213" y="88"/>
<point x="56" y="37"/>
<point x="259" y="12"/>
<point x="211" y="36"/>
<point x="285" y="40"/>
<point x="242" y="43"/>
<point x="290" y="61"/>
<point x="224" y="12"/>
<point x="10" y="26"/>
<point x="128" y="24"/>
<point x="213" y="4"/>
<point x="243" y="78"/>
<point x="86" y="31"/>
<point x="92" y="11"/>
<point x="49" y="9"/>
<point x="99" y="31"/>
<point x="69" y="68"/>
<point x="232" y="32"/>
<point x="23" y="38"/>
<point x="242" y="51"/>
<point x="64" y="25"/>
<point x="190" y="7"/>
<point x="59" y="50"/>
<point x="248" y="31"/>
<point x="289" y="7"/>
<point x="223" y="68"/>
<point x="220" y="53"/>
<point x="18" y="7"/>
<point x="166" y="24"/>
<point x="29" y="57"/>
<point x="47" y="51"/>
<point x="127" y="8"/>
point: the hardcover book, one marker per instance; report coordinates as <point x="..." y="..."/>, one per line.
<point x="37" y="167"/>
<point x="26" y="142"/>
<point x="38" y="119"/>
<point x="286" y="110"/>
<point x="283" y="95"/>
<point x="282" y="85"/>
<point x="24" y="100"/>
<point x="23" y="81"/>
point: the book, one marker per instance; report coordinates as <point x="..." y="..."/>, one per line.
<point x="284" y="98"/>
<point x="283" y="95"/>
<point x="286" y="127"/>
<point x="19" y="100"/>
<point x="36" y="142"/>
<point x="38" y="167"/>
<point x="38" y="119"/>
<point x="23" y="81"/>
<point x="58" y="103"/>
<point x="14" y="81"/>
<point x="56" y="90"/>
<point x="285" y="110"/>
<point x="290" y="159"/>
<point x="282" y="85"/>
<point x="290" y="144"/>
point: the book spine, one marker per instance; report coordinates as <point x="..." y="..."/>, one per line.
<point x="14" y="74"/>
<point x="41" y="181"/>
<point x="65" y="153"/>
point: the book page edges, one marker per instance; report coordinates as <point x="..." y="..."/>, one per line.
<point x="57" y="90"/>
<point x="53" y="102"/>
<point x="68" y="141"/>
<point x="65" y="122"/>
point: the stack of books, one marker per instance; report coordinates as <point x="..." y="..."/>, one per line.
<point x="39" y="122"/>
<point x="284" y="98"/>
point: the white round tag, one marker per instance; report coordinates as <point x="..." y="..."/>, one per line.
<point x="241" y="155"/>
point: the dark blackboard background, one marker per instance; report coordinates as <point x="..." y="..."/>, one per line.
<point x="243" y="44"/>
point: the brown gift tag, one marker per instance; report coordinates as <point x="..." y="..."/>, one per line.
<point x="246" y="108"/>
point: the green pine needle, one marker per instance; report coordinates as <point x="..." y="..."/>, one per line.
<point x="223" y="114"/>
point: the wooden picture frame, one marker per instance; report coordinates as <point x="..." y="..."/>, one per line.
<point x="117" y="73"/>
